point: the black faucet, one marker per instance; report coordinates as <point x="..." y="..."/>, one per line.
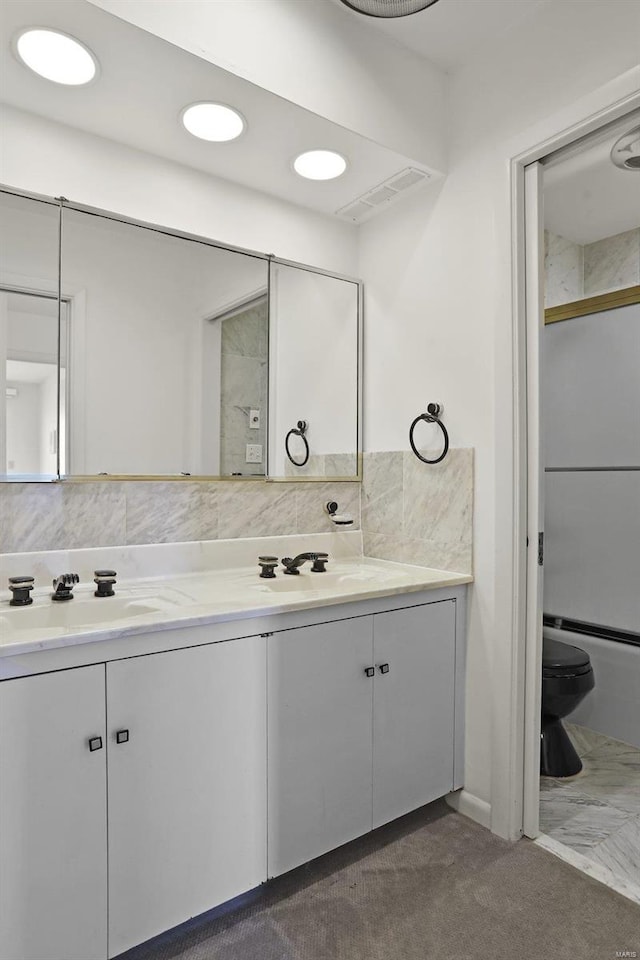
<point x="292" y="566"/>
<point x="63" y="585"/>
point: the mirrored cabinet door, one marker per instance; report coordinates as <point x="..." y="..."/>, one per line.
<point x="168" y="367"/>
<point x="32" y="428"/>
<point x="314" y="364"/>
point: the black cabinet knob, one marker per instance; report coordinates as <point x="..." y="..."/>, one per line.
<point x="369" y="671"/>
<point x="95" y="743"/>
<point x="383" y="667"/>
<point x="122" y="736"/>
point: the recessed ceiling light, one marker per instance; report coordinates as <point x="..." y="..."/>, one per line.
<point x="56" y="56"/>
<point x="213" y="121"/>
<point x="320" y="165"/>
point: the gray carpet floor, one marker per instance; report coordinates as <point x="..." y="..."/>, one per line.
<point x="432" y="886"/>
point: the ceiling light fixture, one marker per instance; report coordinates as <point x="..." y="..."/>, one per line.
<point x="388" y="8"/>
<point x="56" y="56"/>
<point x="215" y="122"/>
<point x="320" y="165"/>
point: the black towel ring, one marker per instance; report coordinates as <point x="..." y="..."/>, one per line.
<point x="300" y="431"/>
<point x="430" y="417"/>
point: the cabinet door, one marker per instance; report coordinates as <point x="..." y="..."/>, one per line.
<point x="187" y="789"/>
<point x="53" y="817"/>
<point x="413" y="714"/>
<point x="319" y="746"/>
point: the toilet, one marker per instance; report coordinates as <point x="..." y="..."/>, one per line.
<point x="567" y="677"/>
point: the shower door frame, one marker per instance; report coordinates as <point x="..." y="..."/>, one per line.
<point x="520" y="789"/>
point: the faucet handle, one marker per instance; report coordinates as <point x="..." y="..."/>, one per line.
<point x="320" y="563"/>
<point x="104" y="580"/>
<point x="21" y="588"/>
<point x="268" y="567"/>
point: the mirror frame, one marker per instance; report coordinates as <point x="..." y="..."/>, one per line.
<point x="62" y="203"/>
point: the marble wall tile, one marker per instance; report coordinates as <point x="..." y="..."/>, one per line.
<point x="420" y="553"/>
<point x="340" y="464"/>
<point x="563" y="270"/>
<point x="255" y="509"/>
<point x="311" y="499"/>
<point x="246" y="334"/>
<point x="418" y="513"/>
<point x="438" y="498"/>
<point x="612" y="263"/>
<point x="382" y="493"/>
<point x="58" y="516"/>
<point x="158" y="512"/>
<point x="32" y="517"/>
<point x="95" y="514"/>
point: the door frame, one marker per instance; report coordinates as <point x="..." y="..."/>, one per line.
<point x="515" y="771"/>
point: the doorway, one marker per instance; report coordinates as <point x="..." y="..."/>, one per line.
<point x="583" y="451"/>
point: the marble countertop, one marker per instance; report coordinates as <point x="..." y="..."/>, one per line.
<point x="145" y="605"/>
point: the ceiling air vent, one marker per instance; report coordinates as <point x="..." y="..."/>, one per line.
<point x="384" y="193"/>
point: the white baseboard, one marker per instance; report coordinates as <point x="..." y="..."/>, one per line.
<point x="471" y="806"/>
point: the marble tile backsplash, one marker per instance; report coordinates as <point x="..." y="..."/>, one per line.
<point x="573" y="272"/>
<point x="411" y="512"/>
<point x="63" y="516"/>
<point x="417" y="513"/>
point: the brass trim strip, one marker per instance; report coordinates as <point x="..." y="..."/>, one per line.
<point x="582" y="308"/>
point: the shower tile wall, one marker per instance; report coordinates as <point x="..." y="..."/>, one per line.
<point x="573" y="271"/>
<point x="243" y="386"/>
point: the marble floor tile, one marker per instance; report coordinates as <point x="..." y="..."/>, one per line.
<point x="584" y="740"/>
<point x="593" y="825"/>
<point x="597" y="814"/>
<point x="560" y="804"/>
<point x="621" y="852"/>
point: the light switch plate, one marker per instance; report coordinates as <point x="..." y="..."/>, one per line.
<point x="253" y="453"/>
<point x="254" y="419"/>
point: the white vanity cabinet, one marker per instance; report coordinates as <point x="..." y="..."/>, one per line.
<point x="187" y="784"/>
<point x="360" y="726"/>
<point x="149" y="777"/>
<point x="180" y="766"/>
<point x="53" y="817"/>
<point x="319" y="740"/>
<point x="413" y="708"/>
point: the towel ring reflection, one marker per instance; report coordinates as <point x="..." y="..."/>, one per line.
<point x="430" y="417"/>
<point x="298" y="431"/>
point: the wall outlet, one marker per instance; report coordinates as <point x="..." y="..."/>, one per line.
<point x="254" y="420"/>
<point x="253" y="453"/>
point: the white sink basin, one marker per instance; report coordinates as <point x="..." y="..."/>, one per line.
<point x="307" y="582"/>
<point x="79" y="612"/>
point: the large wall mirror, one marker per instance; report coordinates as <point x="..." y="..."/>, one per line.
<point x="130" y="351"/>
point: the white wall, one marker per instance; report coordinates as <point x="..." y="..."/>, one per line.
<point x="315" y="54"/>
<point x="437" y="273"/>
<point x="52" y="159"/>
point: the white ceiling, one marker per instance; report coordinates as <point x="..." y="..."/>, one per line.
<point x="587" y="198"/>
<point x="145" y="82"/>
<point x="452" y="32"/>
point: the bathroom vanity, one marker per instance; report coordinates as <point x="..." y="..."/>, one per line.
<point x="225" y="729"/>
